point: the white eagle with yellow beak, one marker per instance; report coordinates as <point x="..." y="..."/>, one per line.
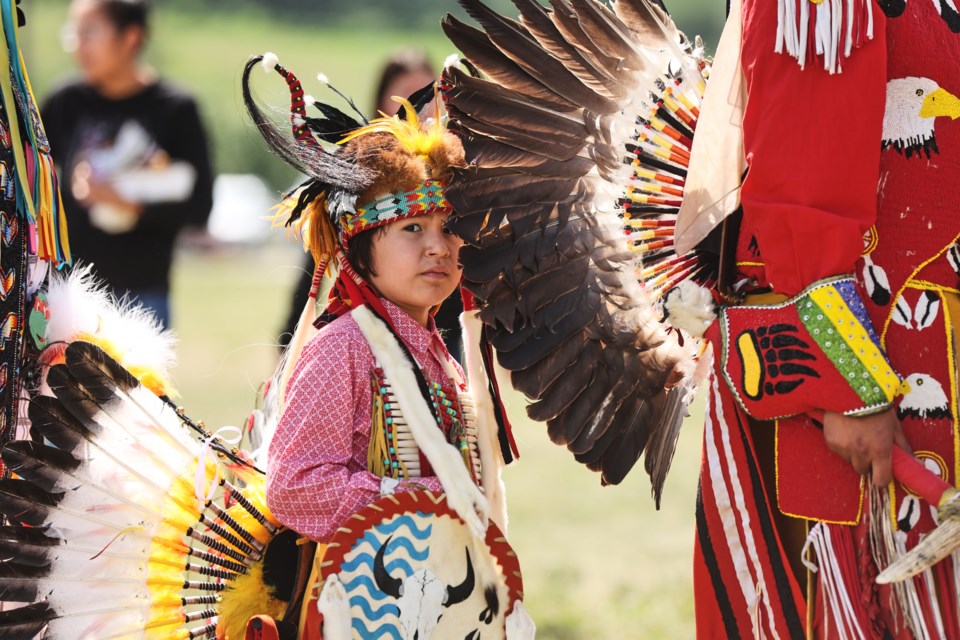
<point x="913" y="105"/>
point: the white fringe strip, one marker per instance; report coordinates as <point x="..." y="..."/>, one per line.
<point x="886" y="546"/>
<point x="839" y="608"/>
<point x="832" y="24"/>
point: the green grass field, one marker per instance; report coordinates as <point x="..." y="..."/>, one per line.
<point x="598" y="563"/>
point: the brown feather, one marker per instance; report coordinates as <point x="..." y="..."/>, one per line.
<point x="484" y="55"/>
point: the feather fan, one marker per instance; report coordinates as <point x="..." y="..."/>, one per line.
<point x="111" y="532"/>
<point x="578" y="136"/>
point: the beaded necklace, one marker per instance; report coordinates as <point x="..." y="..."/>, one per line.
<point x="394" y="452"/>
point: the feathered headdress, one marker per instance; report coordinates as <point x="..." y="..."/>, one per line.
<point x="361" y="174"/>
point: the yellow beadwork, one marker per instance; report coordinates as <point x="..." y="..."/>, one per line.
<point x="848" y="327"/>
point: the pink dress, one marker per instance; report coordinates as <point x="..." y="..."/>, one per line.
<point x="317" y="475"/>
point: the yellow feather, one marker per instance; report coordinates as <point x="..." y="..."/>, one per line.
<point x="245" y="597"/>
<point x="161" y="599"/>
<point x="256" y="493"/>
<point x="414" y="138"/>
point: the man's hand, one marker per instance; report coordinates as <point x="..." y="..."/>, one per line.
<point x="866" y="442"/>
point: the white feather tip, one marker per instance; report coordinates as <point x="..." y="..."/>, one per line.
<point x="270" y="61"/>
<point x="322" y="77"/>
<point x="691" y="308"/>
<point x="451" y="60"/>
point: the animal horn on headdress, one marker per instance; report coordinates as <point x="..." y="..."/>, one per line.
<point x="302" y="151"/>
<point x="298" y="111"/>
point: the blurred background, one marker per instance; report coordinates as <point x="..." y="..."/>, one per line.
<point x="598" y="563"/>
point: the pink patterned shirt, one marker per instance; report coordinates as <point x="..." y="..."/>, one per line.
<point x="317" y="476"/>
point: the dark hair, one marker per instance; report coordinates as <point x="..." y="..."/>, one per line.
<point x="360" y="252"/>
<point x="400" y="63"/>
<point x="126" y="13"/>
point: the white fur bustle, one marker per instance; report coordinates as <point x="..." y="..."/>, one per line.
<point x="690" y="307"/>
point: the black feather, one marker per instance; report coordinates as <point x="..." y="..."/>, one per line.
<point x="663" y="442"/>
<point x="419" y="99"/>
<point x="52" y="421"/>
<point x="24" y="503"/>
<point x="482" y="53"/>
<point x="602" y="78"/>
<point x="25" y="623"/>
<point x="38" y="463"/>
<point x="546" y="256"/>
<point x="334" y="125"/>
<point x="649" y="21"/>
<point x="26" y="546"/>
<point x="533" y="381"/>
<point x="517" y="44"/>
<point x="19" y="583"/>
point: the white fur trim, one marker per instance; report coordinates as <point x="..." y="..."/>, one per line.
<point x="298" y="121"/>
<point x="270" y="61"/>
<point x="691" y="308"/>
<point x="519" y="624"/>
<point x="75" y="301"/>
<point x="491" y="460"/>
<point x="80" y="305"/>
<point x="334" y="605"/>
<point x="463" y="496"/>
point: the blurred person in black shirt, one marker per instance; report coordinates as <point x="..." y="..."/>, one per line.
<point x="404" y="73"/>
<point x="131" y="151"/>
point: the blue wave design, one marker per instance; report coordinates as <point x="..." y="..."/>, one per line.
<point x="389" y="528"/>
<point x="401" y="564"/>
<point x="362" y="589"/>
<point x="365" y="558"/>
<point x="361" y="581"/>
<point x="375" y="634"/>
<point x="388" y="609"/>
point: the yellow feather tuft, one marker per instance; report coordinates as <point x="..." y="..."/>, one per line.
<point x="245" y="597"/>
<point x="415" y="139"/>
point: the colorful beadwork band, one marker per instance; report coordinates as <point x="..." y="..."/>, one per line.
<point x="816" y="351"/>
<point x="426" y="199"/>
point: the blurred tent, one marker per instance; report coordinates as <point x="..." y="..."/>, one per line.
<point x="241" y="204"/>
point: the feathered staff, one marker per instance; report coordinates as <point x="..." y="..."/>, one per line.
<point x="577" y="126"/>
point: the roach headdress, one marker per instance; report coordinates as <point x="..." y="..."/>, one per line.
<point x="361" y="175"/>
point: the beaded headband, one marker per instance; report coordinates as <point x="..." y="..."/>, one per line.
<point x="427" y="198"/>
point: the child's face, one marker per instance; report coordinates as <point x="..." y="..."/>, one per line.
<point x="416" y="262"/>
